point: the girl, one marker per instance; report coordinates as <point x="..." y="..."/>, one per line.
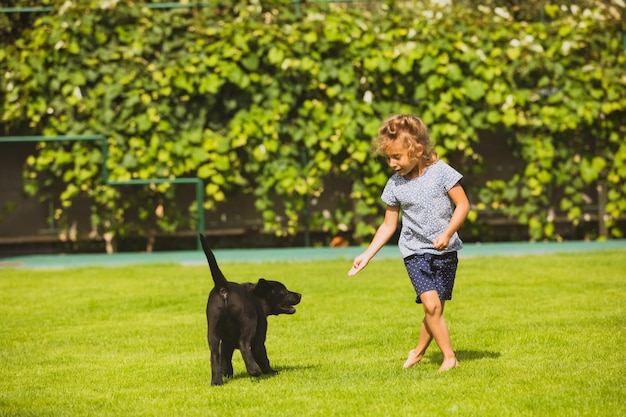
<point x="433" y="204"/>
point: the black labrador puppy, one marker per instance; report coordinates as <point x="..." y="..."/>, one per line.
<point x="237" y="319"/>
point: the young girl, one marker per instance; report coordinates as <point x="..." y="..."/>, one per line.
<point x="433" y="204"/>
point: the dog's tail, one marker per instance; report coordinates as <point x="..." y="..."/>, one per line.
<point x="218" y="276"/>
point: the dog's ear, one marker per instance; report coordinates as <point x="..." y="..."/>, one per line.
<point x="261" y="288"/>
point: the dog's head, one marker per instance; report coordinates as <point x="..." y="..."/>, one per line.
<point x="276" y="297"/>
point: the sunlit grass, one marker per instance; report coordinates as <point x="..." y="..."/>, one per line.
<point x="535" y="335"/>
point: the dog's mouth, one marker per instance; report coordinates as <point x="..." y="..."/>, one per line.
<point x="289" y="303"/>
<point x="287" y="309"/>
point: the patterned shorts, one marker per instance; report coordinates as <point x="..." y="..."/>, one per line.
<point x="432" y="272"/>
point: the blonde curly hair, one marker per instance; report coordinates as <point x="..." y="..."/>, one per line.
<point x="411" y="131"/>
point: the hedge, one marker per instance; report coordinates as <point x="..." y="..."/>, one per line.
<point x="259" y="100"/>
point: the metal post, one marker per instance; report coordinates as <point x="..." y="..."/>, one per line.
<point x="296" y="6"/>
<point x="42" y="9"/>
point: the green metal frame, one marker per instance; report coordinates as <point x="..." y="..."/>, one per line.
<point x="43" y="9"/>
<point x="105" y="172"/>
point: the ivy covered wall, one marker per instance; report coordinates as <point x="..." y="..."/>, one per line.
<point x="258" y="100"/>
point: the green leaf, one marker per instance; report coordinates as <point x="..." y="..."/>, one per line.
<point x="513" y="53"/>
<point x="404" y="65"/>
<point x="275" y="56"/>
<point x="428" y="64"/>
<point x="475" y="89"/>
<point x="251" y="62"/>
<point x="494" y="117"/>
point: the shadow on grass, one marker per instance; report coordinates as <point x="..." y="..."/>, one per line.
<point x="466" y="355"/>
<point x="281" y="369"/>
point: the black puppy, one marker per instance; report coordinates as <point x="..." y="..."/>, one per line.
<point x="237" y="319"/>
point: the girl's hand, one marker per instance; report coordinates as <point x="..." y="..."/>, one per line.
<point x="441" y="242"/>
<point x="352" y="272"/>
<point x="359" y="263"/>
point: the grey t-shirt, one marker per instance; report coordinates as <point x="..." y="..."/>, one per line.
<point x="425" y="206"/>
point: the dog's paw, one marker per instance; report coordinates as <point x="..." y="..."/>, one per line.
<point x="255" y="370"/>
<point x="227" y="370"/>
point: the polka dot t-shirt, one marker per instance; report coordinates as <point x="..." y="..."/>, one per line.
<point x="425" y="206"/>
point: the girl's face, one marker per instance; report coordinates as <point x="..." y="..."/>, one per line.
<point x="399" y="160"/>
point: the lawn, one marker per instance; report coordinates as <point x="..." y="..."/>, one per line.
<point x="535" y="336"/>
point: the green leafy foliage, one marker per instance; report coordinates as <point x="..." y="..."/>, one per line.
<point x="566" y="109"/>
<point x="259" y="100"/>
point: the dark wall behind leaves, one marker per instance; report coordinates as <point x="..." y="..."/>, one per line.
<point x="262" y="101"/>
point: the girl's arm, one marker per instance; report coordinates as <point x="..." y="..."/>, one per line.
<point x="461" y="209"/>
<point x="383" y="234"/>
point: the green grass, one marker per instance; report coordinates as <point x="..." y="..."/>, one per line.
<point x="536" y="336"/>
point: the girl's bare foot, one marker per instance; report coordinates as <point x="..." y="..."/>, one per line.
<point x="448" y="364"/>
<point x="414" y="358"/>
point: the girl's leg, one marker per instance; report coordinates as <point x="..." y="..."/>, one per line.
<point x="436" y="324"/>
<point x="417" y="354"/>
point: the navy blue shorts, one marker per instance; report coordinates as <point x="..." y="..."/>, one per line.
<point x="430" y="272"/>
